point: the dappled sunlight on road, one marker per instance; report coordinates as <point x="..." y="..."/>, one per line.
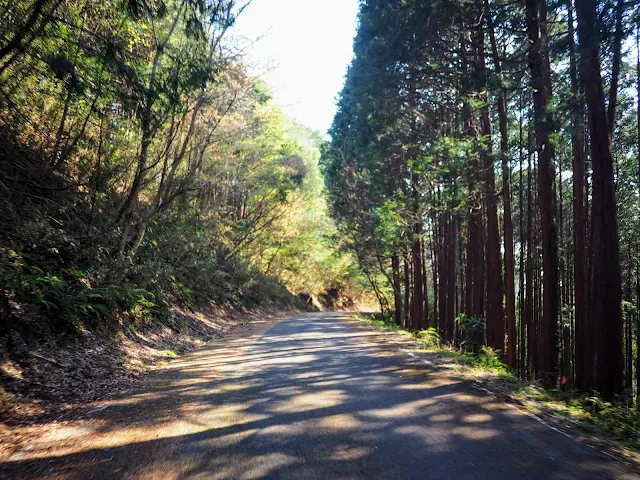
<point x="313" y="397"/>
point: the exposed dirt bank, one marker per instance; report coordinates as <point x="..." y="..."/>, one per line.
<point x="54" y="380"/>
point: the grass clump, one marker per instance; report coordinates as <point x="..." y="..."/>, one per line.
<point x="379" y="322"/>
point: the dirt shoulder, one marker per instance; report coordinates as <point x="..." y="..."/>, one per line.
<point x="56" y="382"/>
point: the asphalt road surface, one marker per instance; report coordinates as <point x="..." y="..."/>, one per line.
<point x="310" y="397"/>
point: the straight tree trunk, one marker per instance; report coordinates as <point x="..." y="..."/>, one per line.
<point x="407" y="293"/>
<point x="537" y="346"/>
<point x="628" y="345"/>
<point x="434" y="272"/>
<point x="397" y="289"/>
<point x="509" y="260"/>
<point x="529" y="299"/>
<point x="495" y="312"/>
<point x="451" y="277"/>
<point x="475" y="271"/>
<point x="583" y="365"/>
<point x="475" y="262"/>
<point x="638" y="266"/>
<point x="418" y="292"/>
<point x="425" y="284"/>
<point x="522" y="362"/>
<point x="442" y="275"/>
<point x="538" y="58"/>
<point x="615" y="67"/>
<point x="606" y="286"/>
<point x="461" y="276"/>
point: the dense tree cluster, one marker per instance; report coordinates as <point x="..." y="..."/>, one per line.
<point x="140" y="164"/>
<point x="484" y="166"/>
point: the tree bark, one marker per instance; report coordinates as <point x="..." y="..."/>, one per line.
<point x="509" y="259"/>
<point x="425" y="283"/>
<point x="638" y="266"/>
<point x="606" y="287"/>
<point x="615" y="67"/>
<point x="583" y="366"/>
<point x="529" y="295"/>
<point x="540" y="81"/>
<point x="451" y="277"/>
<point x="522" y="346"/>
<point x="442" y="275"/>
<point x="407" y="293"/>
<point x="418" y="292"/>
<point x="397" y="289"/>
<point x="495" y="312"/>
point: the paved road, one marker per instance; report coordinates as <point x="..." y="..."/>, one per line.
<point x="311" y="397"/>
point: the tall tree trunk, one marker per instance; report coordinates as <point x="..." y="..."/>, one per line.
<point x="495" y="312"/>
<point x="442" y="275"/>
<point x="522" y="359"/>
<point x="407" y="292"/>
<point x="638" y="180"/>
<point x="628" y="341"/>
<point x="583" y="365"/>
<point x="475" y="262"/>
<point x="451" y="278"/>
<point x="425" y="284"/>
<point x="537" y="346"/>
<point x="509" y="260"/>
<point x="461" y="276"/>
<point x="397" y="289"/>
<point x="615" y="67"/>
<point x="434" y="271"/>
<point x="475" y="271"/>
<point x="538" y="58"/>
<point x="606" y="287"/>
<point x="529" y="300"/>
<point x="418" y="292"/>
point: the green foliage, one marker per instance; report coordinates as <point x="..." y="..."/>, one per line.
<point x="471" y="332"/>
<point x="141" y="165"/>
<point x="430" y="337"/>
<point x="485" y="358"/>
<point x="68" y="296"/>
<point x="380" y="323"/>
<point x="605" y="419"/>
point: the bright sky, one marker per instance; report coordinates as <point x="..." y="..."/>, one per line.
<point x="302" y="50"/>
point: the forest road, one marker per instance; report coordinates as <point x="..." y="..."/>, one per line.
<point x="315" y="396"/>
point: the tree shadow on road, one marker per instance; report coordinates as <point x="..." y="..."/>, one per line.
<point x="311" y="398"/>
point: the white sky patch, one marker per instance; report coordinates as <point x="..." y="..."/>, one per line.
<point x="302" y="49"/>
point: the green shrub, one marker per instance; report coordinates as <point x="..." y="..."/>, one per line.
<point x="471" y="332"/>
<point x="430" y="337"/>
<point x="485" y="358"/>
<point x="382" y="323"/>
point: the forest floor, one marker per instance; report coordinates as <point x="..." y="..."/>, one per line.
<point x="53" y="380"/>
<point x="608" y="427"/>
<point x="317" y="395"/>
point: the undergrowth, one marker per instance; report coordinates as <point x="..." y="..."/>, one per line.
<point x="70" y="297"/>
